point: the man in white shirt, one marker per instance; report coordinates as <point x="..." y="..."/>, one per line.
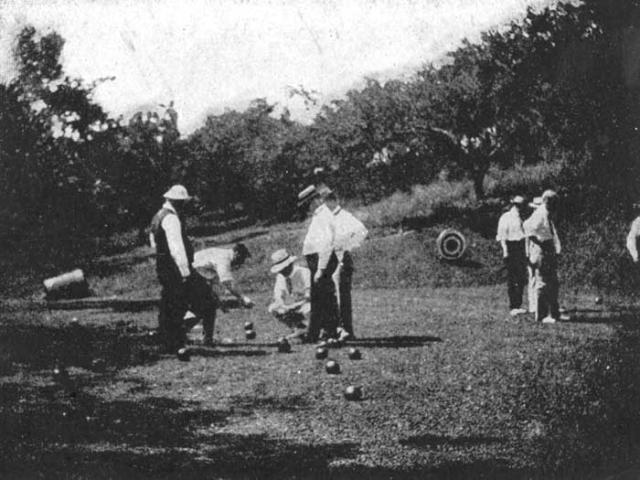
<point x="512" y="240"/>
<point x="182" y="288"/>
<point x="322" y="262"/>
<point x="543" y="255"/>
<point x="349" y="235"/>
<point x="216" y="264"/>
<point x="632" y="237"/>
<point x="531" y="285"/>
<point x="291" y="292"/>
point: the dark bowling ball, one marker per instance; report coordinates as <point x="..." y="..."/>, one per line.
<point x="332" y="367"/>
<point x="321" y="353"/>
<point x="284" y="346"/>
<point x="248" y="326"/>
<point x="184" y="355"/>
<point x="353" y="393"/>
<point x="598" y="300"/>
<point x="354" y="354"/>
<point x="250" y="334"/>
<point x="99" y="365"/>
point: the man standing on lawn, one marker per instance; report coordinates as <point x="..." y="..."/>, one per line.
<point x="531" y="286"/>
<point x="322" y="261"/>
<point x="291" y="292"/>
<point x="182" y="288"/>
<point x="349" y="235"/>
<point x="544" y="250"/>
<point x="512" y="240"/>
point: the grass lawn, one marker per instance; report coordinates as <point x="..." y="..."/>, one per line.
<point x="453" y="388"/>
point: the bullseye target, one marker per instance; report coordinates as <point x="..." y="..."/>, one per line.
<point x="451" y="244"/>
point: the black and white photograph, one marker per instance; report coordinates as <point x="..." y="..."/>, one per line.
<point x="320" y="239"/>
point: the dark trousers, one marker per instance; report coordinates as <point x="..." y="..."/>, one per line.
<point x="324" y="305"/>
<point x="547" y="284"/>
<point x="176" y="298"/>
<point x="344" y="287"/>
<point x="516" y="263"/>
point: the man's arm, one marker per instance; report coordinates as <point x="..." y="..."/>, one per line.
<point x="632" y="239"/>
<point x="171" y="226"/>
<point x="502" y="235"/>
<point x="233" y="290"/>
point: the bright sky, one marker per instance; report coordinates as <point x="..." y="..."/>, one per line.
<point x="208" y="55"/>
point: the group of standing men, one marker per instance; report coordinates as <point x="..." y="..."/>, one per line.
<point x="532" y="247"/>
<point x="332" y="234"/>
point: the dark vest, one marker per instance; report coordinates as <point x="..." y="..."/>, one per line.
<point x="168" y="272"/>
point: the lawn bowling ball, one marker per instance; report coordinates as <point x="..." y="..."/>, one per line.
<point x="332" y="367"/>
<point x="284" y="346"/>
<point x="354" y="354"/>
<point x="248" y="325"/>
<point x="184" y="355"/>
<point x="353" y="393"/>
<point x="250" y="334"/>
<point x="598" y="300"/>
<point x="321" y="352"/>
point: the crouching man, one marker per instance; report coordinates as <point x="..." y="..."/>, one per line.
<point x="291" y="293"/>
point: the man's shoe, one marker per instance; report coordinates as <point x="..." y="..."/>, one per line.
<point x="343" y="335"/>
<point x="514" y="312"/>
<point x="548" y="320"/>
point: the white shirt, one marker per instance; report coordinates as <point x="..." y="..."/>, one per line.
<point x="214" y="263"/>
<point x="634" y="233"/>
<point x="349" y="231"/>
<point x="320" y="236"/>
<point x="173" y="231"/>
<point x="539" y="225"/>
<point x="300" y="280"/>
<point x="510" y="226"/>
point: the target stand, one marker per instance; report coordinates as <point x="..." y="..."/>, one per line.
<point x="451" y="244"/>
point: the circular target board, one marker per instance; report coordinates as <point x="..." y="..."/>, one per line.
<point x="451" y="244"/>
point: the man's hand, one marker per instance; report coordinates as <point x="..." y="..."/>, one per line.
<point x="318" y="275"/>
<point x="246" y="302"/>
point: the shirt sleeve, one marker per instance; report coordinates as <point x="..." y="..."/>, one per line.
<point x="502" y="229"/>
<point x="306" y="279"/>
<point x="279" y="290"/>
<point x="223" y="267"/>
<point x="326" y="242"/>
<point x="632" y="245"/>
<point x="171" y="226"/>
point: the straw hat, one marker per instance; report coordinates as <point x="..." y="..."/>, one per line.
<point x="280" y="259"/>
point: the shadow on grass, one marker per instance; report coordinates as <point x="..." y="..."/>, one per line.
<point x="434" y="441"/>
<point x="39" y="346"/>
<point x="217" y="352"/>
<point x="396" y="341"/>
<point x="48" y="433"/>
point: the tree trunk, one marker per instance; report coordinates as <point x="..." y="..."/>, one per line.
<point x="478" y="183"/>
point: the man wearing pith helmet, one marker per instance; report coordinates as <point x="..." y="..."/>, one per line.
<point x="182" y="288"/>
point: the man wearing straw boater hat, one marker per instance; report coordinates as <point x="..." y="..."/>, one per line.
<point x="634" y="233"/>
<point x="318" y="250"/>
<point x="291" y="292"/>
<point x="182" y="287"/>
<point x="512" y="240"/>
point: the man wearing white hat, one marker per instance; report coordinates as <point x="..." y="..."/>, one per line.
<point x="318" y="250"/>
<point x="512" y="240"/>
<point x="291" y="293"/>
<point x="543" y="255"/>
<point x="182" y="288"/>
